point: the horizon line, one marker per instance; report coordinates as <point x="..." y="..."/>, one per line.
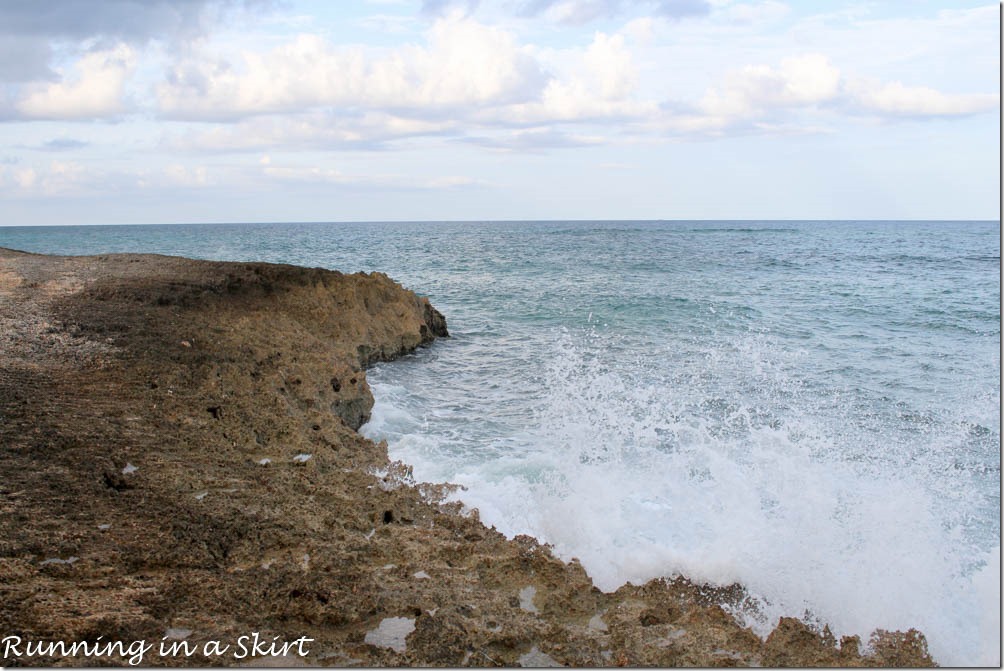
<point x="499" y="221"/>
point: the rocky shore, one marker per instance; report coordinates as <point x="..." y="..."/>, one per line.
<point x="179" y="465"/>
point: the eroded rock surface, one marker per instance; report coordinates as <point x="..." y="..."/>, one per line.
<point x="178" y="458"/>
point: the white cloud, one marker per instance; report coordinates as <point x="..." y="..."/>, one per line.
<point x="464" y="63"/>
<point x="478" y="84"/>
<point x="472" y="63"/>
<point x="24" y="178"/>
<point x="96" y="91"/>
<point x="333" y="176"/>
<point x="467" y="77"/>
<point x="781" y="100"/>
<point x="896" y="99"/>
<point x="450" y="182"/>
<point x="388" y="23"/>
<point x="443" y="7"/>
<point x="36" y="35"/>
<point x="378" y="97"/>
<point x="809" y="79"/>
<point x="598" y="82"/>
<point x="574" y="101"/>
<point x="57" y="178"/>
<point x="641" y="30"/>
<point x="577" y="12"/>
<point x="311" y="130"/>
<point x="533" y="140"/>
<point x="752" y="96"/>
<point x="179" y="175"/>
<point x="611" y="66"/>
<point x="311" y="174"/>
<point x="751" y="12"/>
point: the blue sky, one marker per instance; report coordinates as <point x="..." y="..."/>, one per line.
<point x="165" y="111"/>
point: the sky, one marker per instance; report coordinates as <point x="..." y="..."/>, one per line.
<point x="172" y="111"/>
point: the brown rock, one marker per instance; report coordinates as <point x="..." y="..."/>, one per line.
<point x="145" y="461"/>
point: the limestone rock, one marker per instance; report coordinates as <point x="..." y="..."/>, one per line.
<point x="221" y="529"/>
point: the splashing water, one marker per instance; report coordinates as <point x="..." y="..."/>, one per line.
<point x="811" y="409"/>
<point x="844" y="467"/>
<point x="650" y="472"/>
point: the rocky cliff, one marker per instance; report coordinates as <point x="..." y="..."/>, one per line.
<point x="179" y="465"/>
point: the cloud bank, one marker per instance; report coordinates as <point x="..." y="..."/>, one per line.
<point x="205" y="87"/>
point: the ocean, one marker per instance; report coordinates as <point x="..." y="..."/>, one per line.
<point x="811" y="409"/>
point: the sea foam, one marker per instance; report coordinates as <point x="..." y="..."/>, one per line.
<point x="722" y="468"/>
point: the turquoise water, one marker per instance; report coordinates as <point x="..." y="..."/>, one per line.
<point x="809" y="408"/>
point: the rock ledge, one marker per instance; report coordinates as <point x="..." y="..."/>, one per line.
<point x="179" y="461"/>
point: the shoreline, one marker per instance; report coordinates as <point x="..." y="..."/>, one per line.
<point x="181" y="459"/>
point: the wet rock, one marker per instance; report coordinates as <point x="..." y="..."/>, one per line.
<point x="899" y="648"/>
<point x="204" y="537"/>
<point x="793" y="643"/>
<point x="392" y="633"/>
<point x="526" y="596"/>
<point x="535" y="659"/>
<point x="445" y="637"/>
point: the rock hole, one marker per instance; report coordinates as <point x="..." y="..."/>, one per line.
<point x="388" y="516"/>
<point x="115" y="481"/>
<point x="216" y="411"/>
<point x="336" y="384"/>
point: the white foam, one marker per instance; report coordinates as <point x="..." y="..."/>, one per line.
<point x="987" y="583"/>
<point x="642" y="473"/>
